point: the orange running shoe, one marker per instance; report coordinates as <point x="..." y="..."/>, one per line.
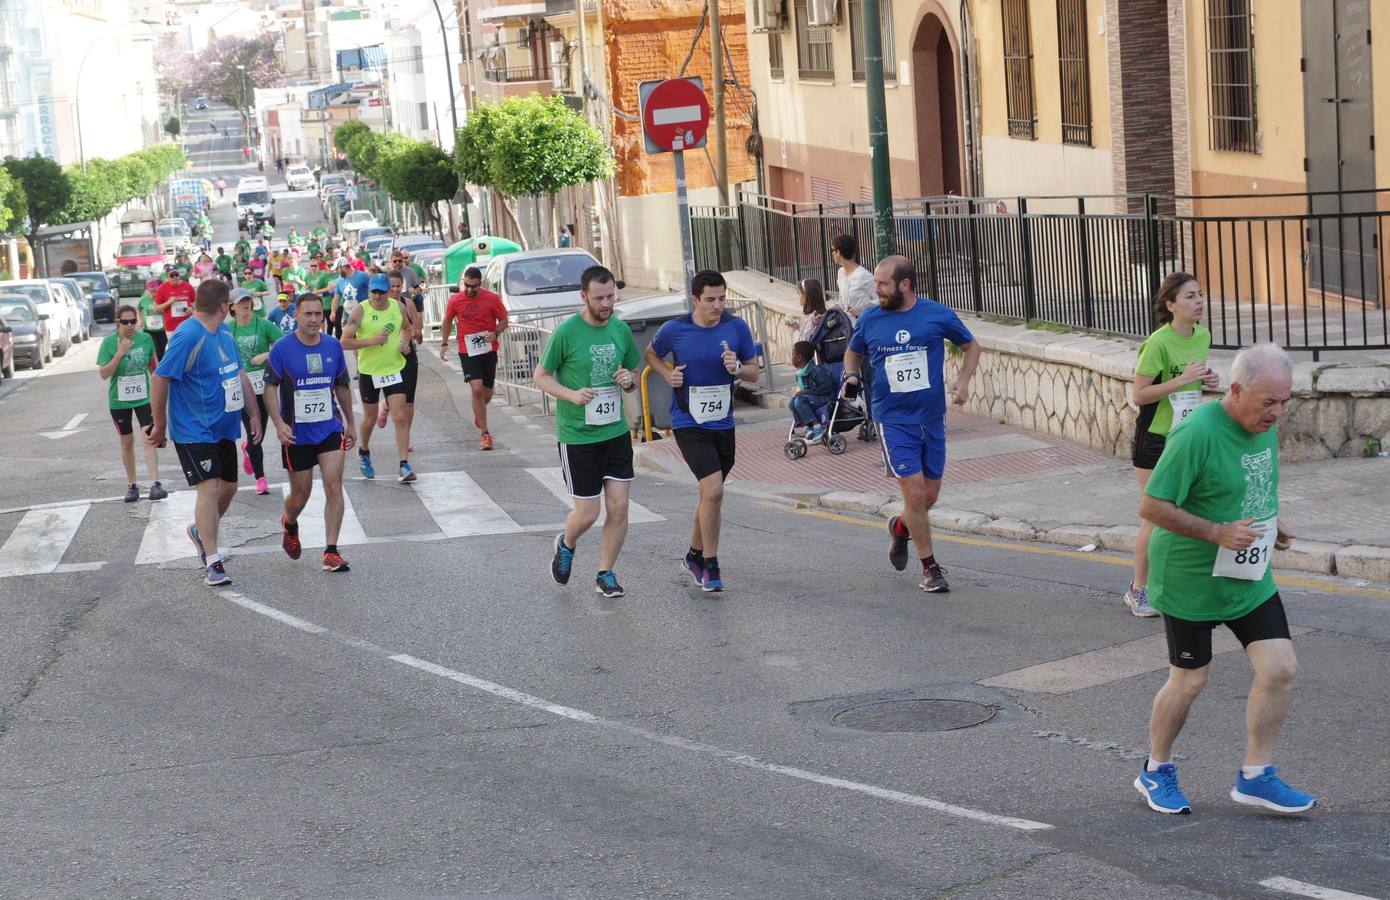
<point x="289" y="542"/>
<point x="487" y="441"/>
<point x="333" y="561"/>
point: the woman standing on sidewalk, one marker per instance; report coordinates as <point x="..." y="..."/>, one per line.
<point x="1168" y="382"/>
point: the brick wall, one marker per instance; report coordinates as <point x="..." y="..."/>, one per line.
<point x="648" y="40"/>
<point x="1141" y="96"/>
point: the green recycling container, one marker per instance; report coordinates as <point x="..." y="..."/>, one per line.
<point x="476" y="251"/>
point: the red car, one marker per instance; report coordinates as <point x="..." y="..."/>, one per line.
<point x="138" y="258"/>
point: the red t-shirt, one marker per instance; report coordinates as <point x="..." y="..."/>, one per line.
<point x="182" y="308"/>
<point x="476" y="314"/>
<point x="357" y="264"/>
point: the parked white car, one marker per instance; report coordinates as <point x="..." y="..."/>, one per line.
<point x="299" y="178"/>
<point x="355" y="221"/>
<point x="64" y="319"/>
<point x="538" y="279"/>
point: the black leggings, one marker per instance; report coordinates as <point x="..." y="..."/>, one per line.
<point x="161" y="341"/>
<point x="254" y="450"/>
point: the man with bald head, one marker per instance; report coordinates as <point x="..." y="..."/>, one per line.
<point x="902" y="342"/>
<point x="1214" y="502"/>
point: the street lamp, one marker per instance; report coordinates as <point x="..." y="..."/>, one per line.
<point x="77" y="101"/>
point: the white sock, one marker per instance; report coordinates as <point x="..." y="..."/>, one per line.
<point x="1153" y="764"/>
<point x="1252" y="771"/>
<point x="214" y="559"/>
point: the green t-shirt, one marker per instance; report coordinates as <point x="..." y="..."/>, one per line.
<point x="134" y="368"/>
<point x="1213" y="468"/>
<point x="242" y="246"/>
<point x="294" y="275"/>
<point x="320" y="232"/>
<point x="253" y="340"/>
<point x="579" y="356"/>
<point x="147" y="310"/>
<point x="324" y="280"/>
<point x="314" y="246"/>
<point x="224" y="264"/>
<point x="1163" y="356"/>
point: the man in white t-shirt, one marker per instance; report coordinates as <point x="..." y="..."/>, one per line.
<point x="854" y="283"/>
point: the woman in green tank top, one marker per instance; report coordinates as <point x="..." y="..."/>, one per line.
<point x="1168" y="382"/>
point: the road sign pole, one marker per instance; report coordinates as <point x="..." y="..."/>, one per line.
<point x="683" y="212"/>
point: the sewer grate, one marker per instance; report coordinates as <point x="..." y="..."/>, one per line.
<point x="914" y="715"/>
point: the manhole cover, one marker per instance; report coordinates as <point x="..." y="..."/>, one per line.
<point x="914" y="715"/>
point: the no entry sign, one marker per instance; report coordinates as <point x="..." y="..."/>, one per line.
<point x="671" y="109"/>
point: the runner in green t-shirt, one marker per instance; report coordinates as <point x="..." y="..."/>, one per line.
<point x="1214" y="502"/>
<point x="253" y="338"/>
<point x="320" y="232"/>
<point x="125" y="359"/>
<point x="223" y="262"/>
<point x="153" y="321"/>
<point x="587" y="364"/>
<point x="242" y="247"/>
<point x="258" y="289"/>
<point x="1168" y="379"/>
<point x="294" y="275"/>
<point x="314" y="248"/>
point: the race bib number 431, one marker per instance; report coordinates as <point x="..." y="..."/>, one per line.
<point x="606" y="407"/>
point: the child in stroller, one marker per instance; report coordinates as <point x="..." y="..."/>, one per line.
<point x="816" y="409"/>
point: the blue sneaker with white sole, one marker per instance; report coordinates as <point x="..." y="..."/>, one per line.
<point x="1161" y="791"/>
<point x="696" y="568"/>
<point x="1270" y="791"/>
<point x="364" y="464"/>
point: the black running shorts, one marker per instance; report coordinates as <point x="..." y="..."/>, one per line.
<point x="204" y="462"/>
<point x="707" y="450"/>
<point x="371" y="394"/>
<point x="303" y="457"/>
<point x="587" y="466"/>
<point x="1189" y="643"/>
<point x="480" y="368"/>
<point x="122" y="418"/>
<point x="1146" y="449"/>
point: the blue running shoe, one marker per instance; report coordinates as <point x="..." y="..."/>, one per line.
<point x="407" y="473"/>
<point x="1270" y="791"/>
<point x="198" y="542"/>
<point x="364" y="463"/>
<point x="606" y="583"/>
<point x="216" y="575"/>
<point x="563" y="562"/>
<point x="1160" y="789"/>
<point x="712" y="583"/>
<point x="696" y="568"/>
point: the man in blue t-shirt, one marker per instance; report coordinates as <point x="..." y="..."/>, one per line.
<point x="902" y="341"/>
<point x="198" y="392"/>
<point x="711" y="350"/>
<point x="349" y="290"/>
<point x="311" y="407"/>
<point x="282" y="316"/>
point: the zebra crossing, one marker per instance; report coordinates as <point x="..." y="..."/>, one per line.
<point x="444" y="505"/>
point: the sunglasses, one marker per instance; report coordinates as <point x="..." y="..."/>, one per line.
<point x="125" y="321"/>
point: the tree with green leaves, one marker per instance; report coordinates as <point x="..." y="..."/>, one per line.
<point x="12" y="203"/>
<point x="344" y="133"/>
<point x="530" y="145"/>
<point x="419" y="172"/>
<point x="46" y="191"/>
<point x="172" y="127"/>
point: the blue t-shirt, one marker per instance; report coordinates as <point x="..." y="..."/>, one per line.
<point x="352" y="289"/>
<point x="197" y="363"/>
<point x="294" y="366"/>
<point x="701" y="351"/>
<point x="887" y="338"/>
<point x="283" y="318"/>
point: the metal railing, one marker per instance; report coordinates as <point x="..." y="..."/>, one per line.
<point x="508" y="74"/>
<point x="1308" y="271"/>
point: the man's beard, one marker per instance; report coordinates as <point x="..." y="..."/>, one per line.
<point x="895" y="302"/>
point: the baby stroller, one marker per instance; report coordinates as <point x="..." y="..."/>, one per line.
<point x="839" y="415"/>
<point x="831" y="340"/>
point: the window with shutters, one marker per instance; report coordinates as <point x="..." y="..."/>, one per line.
<point x="856" y="39"/>
<point x="1231" y="76"/>
<point x="1018" y="70"/>
<point x="814" y="56"/>
<point x="1074" y="65"/>
<point x="774" y="53"/>
<point x="824" y="190"/>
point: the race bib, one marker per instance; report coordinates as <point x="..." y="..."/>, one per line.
<point x="1248" y="564"/>
<point x="907" y="372"/>
<point x="349" y="305"/>
<point x="1183" y="403"/>
<point x="606" y="407"/>
<point x="180" y="308"/>
<point x="130" y="388"/>
<point x="231" y="394"/>
<point x="710" y="403"/>
<point x="154" y="322"/>
<point x="381" y="381"/>
<point x="313" y="406"/>
<point x="477" y="344"/>
<point x="257" y="381"/>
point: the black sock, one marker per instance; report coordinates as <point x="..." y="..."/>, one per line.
<point x="695" y="555"/>
<point x="711" y="562"/>
<point x="361" y="452"/>
<point x="403" y="462"/>
<point x="292" y="528"/>
<point x="331" y="548"/>
<point x="929" y="562"/>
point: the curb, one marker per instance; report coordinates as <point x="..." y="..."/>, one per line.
<point x="1356" y="561"/>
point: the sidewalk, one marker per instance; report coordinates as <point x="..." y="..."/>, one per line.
<point x="1012" y="483"/>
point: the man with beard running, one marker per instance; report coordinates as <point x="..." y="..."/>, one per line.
<point x="901" y="340"/>
<point x="481" y="318"/>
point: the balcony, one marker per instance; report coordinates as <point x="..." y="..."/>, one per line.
<point x="513" y="74"/>
<point x="500" y="83"/>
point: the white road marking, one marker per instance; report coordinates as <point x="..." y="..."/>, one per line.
<point x="1096" y="667"/>
<point x="165" y="538"/>
<point x="674" y="741"/>
<point x="79" y="567"/>
<point x="460" y="507"/>
<point x="554" y="480"/>
<point x="1303" y="889"/>
<point x="313" y="528"/>
<point x="74" y="421"/>
<point x="38" y="542"/>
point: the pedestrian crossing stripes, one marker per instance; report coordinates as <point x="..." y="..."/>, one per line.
<point x="453" y="503"/>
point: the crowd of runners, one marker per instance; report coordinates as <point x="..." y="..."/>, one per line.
<point x="210" y="366"/>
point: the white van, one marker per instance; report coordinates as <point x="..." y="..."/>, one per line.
<point x="254" y="193"/>
<point x="299" y="177"/>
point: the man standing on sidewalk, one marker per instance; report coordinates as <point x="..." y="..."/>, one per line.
<point x="901" y="339"/>
<point x="587" y="362"/>
<point x="199" y="390"/>
<point x="481" y="318"/>
<point x="1214" y="502"/>
<point x="711" y="350"/>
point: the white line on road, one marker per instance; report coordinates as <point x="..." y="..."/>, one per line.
<point x="674" y="741"/>
<point x="166" y="533"/>
<point x="460" y="507"/>
<point x="38" y="542"/>
<point x="1304" y="889"/>
<point x="74" y="421"/>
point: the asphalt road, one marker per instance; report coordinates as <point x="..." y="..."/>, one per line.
<point x="446" y="721"/>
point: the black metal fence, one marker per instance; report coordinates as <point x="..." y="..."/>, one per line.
<point x="1308" y="273"/>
